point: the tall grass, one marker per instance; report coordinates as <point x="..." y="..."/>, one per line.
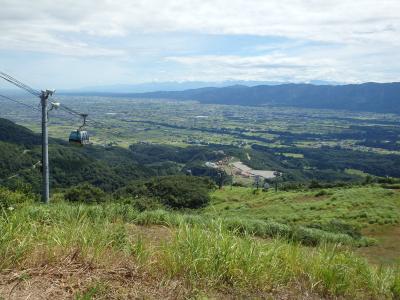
<point x="202" y="251"/>
<point x="218" y="258"/>
<point x="260" y="228"/>
<point x="113" y="212"/>
<point x="44" y="233"/>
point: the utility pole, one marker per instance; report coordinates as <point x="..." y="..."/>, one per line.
<point x="277" y="176"/>
<point x="257" y="181"/>
<point x="44" y="96"/>
<point x="220" y="183"/>
<point x="45" y="146"/>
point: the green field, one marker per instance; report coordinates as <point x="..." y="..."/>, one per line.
<point x="360" y="206"/>
<point x="173" y="122"/>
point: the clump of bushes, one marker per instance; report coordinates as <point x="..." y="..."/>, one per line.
<point x="395" y="186"/>
<point x="340" y="227"/>
<point x="336" y="233"/>
<point x="172" y="191"/>
<point x="142" y="203"/>
<point x="9" y="199"/>
<point x="86" y="193"/>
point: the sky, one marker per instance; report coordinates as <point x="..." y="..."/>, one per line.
<point x="72" y="44"/>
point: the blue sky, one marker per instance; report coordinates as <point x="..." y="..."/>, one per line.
<point x="70" y="44"/>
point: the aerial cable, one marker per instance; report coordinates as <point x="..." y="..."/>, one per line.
<point x="83" y="115"/>
<point x="65" y="118"/>
<point x="99" y="123"/>
<point x="70" y="110"/>
<point x="35" y="108"/>
<point x="19" y="102"/>
<point x="66" y="109"/>
<point x="19" y="84"/>
<point x="54" y="105"/>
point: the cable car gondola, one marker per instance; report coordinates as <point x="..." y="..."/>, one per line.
<point x="79" y="136"/>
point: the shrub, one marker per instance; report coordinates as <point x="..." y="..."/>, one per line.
<point x="142" y="203"/>
<point x="314" y="184"/>
<point x="181" y="191"/>
<point x="172" y="191"/>
<point x="85" y="193"/>
<point x="391" y="186"/>
<point x="322" y="193"/>
<point x="9" y="198"/>
<point x="338" y="226"/>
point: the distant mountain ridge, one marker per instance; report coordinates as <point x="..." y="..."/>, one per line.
<point x="176" y="86"/>
<point x="373" y="97"/>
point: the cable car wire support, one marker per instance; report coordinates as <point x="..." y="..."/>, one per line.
<point x="44" y="97"/>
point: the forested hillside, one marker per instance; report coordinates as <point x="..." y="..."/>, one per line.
<point x="111" y="168"/>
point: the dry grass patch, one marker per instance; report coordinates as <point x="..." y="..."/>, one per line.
<point x="80" y="280"/>
<point x="387" y="250"/>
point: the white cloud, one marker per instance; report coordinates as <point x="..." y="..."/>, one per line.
<point x="353" y="21"/>
<point x="360" y="32"/>
<point x="267" y="67"/>
<point x="340" y="64"/>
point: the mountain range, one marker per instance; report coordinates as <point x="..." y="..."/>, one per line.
<point x="176" y="86"/>
<point x="373" y="97"/>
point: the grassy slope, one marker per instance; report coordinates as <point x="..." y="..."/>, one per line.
<point x="373" y="209"/>
<point x="64" y="243"/>
<point x="359" y="205"/>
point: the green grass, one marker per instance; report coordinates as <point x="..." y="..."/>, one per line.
<point x="205" y="257"/>
<point x="57" y="230"/>
<point x="360" y="206"/>
<point x="220" y="258"/>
